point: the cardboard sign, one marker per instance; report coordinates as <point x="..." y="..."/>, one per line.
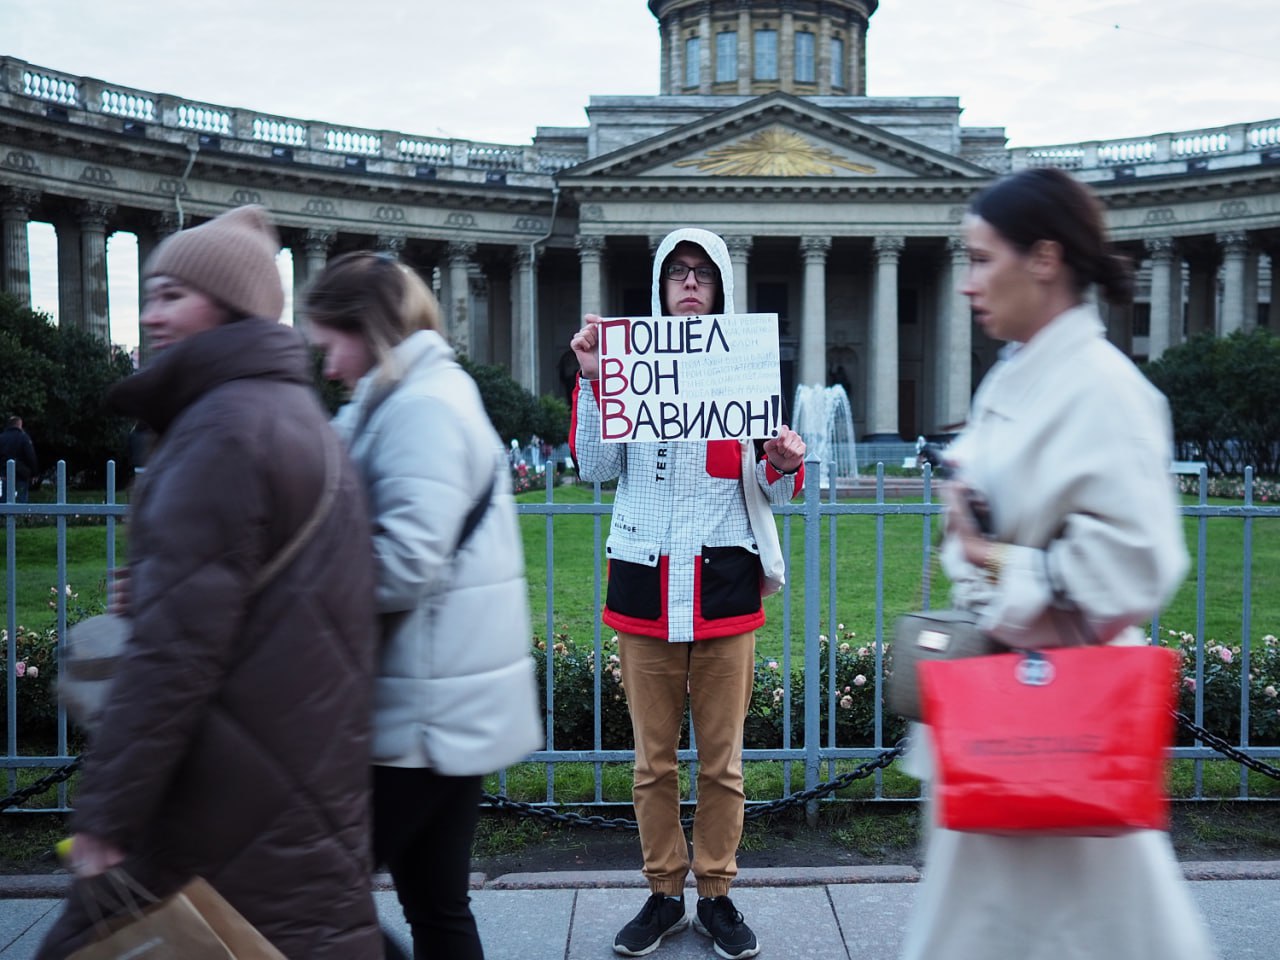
<point x="713" y="377"/>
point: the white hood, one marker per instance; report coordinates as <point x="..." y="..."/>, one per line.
<point x="716" y="250"/>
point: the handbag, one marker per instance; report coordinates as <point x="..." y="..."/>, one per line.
<point x="926" y="636"/>
<point x="195" y="923"/>
<point x="763" y="527"/>
<point x="94" y="648"/>
<point x="1071" y="740"/>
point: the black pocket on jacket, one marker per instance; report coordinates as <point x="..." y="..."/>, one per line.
<point x="730" y="580"/>
<point x="635" y="590"/>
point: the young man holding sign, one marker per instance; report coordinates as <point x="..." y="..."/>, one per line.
<point x="684" y="594"/>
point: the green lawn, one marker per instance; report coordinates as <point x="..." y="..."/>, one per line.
<point x="574" y="602"/>
<point x="573" y="573"/>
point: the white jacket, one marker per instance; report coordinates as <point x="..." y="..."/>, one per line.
<point x="1070" y="444"/>
<point x="455" y="689"/>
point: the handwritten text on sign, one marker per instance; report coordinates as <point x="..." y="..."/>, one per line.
<point x="713" y="377"/>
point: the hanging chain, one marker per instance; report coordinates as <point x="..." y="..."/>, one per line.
<point x="1224" y="748"/>
<point x="754" y="811"/>
<point x="19" y="797"/>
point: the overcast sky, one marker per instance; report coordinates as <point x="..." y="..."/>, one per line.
<point x="1048" y="71"/>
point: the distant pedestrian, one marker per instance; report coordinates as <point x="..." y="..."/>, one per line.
<point x="15" y="445"/>
<point x="1066" y="457"/>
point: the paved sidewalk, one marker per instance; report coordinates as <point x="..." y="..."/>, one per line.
<point x="849" y="913"/>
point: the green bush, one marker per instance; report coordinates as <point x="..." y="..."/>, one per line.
<point x="55" y="378"/>
<point x="1224" y="394"/>
<point x="37" y="668"/>
<point x="1222" y="666"/>
<point x="854" y="700"/>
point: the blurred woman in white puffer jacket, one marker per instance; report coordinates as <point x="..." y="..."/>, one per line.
<point x="455" y="692"/>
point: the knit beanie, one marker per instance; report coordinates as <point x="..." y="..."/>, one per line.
<point x="231" y="258"/>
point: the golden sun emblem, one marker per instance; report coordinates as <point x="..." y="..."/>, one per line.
<point x="773" y="153"/>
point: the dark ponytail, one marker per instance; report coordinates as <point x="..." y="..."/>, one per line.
<point x="1049" y="204"/>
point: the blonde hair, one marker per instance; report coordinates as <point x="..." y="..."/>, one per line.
<point x="375" y="295"/>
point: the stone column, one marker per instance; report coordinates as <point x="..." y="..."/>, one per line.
<point x="590" y="254"/>
<point x="787" y="54"/>
<point x="457" y="307"/>
<point x="315" y="247"/>
<point x="746" y="65"/>
<point x="1273" y="311"/>
<point x="524" y="344"/>
<point x="705" y="40"/>
<point x="1201" y="296"/>
<point x="156" y="227"/>
<point x="1235" y="248"/>
<point x="15" y="212"/>
<point x="882" y="371"/>
<point x="675" y="79"/>
<point x="813" y="315"/>
<point x="310" y="255"/>
<point x="1251" y="289"/>
<point x="955" y="337"/>
<point x="1166" y="296"/>
<point x="664" y="57"/>
<point x="481" y="339"/>
<point x="822" y="57"/>
<point x="95" y="311"/>
<point x="740" y="256"/>
<point x="70" y="283"/>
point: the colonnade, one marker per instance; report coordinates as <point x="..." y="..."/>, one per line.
<point x="469" y="274"/>
<point x="1186" y="276"/>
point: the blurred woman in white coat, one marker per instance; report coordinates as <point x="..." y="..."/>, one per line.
<point x="1067" y="452"/>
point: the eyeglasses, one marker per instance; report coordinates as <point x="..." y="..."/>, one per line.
<point x="704" y="274"/>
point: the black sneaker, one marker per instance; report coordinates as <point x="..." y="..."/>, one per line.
<point x="659" y="916"/>
<point x="718" y="919"/>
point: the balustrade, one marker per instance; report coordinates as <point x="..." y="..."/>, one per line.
<point x="1263" y="135"/>
<point x="122" y="103"/>
<point x="46" y="87"/>
<point x="279" y="131"/>
<point x="353" y="141"/>
<point x="192" y="116"/>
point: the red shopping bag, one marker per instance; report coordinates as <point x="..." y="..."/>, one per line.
<point x="1070" y="740"/>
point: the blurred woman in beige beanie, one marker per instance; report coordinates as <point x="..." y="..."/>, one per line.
<point x="235" y="745"/>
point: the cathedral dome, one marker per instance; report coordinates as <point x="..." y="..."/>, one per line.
<point x="753" y="47"/>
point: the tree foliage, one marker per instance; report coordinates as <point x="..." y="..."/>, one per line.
<point x="515" y="412"/>
<point x="1224" y="393"/>
<point x="56" y="379"/>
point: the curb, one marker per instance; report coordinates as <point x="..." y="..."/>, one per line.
<point x="56" y="885"/>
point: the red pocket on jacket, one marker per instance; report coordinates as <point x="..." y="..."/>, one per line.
<point x="724" y="459"/>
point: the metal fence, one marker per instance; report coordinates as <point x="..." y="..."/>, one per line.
<point x="819" y="526"/>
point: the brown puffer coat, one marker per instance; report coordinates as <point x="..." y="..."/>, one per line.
<point x="236" y="743"/>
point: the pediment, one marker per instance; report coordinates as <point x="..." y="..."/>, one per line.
<point x="772" y="137"/>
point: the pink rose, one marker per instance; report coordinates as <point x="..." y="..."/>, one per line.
<point x="1189" y="682"/>
<point x="1225" y="654"/>
<point x="859" y="680"/>
<point x="20" y="668"/>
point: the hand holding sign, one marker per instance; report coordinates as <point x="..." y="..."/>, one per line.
<point x="785" y="451"/>
<point x="586" y="344"/>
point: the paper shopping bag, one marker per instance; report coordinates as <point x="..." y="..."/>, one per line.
<point x="195" y="923"/>
<point x="1067" y="741"/>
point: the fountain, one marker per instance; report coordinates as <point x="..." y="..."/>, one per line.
<point x="823" y="418"/>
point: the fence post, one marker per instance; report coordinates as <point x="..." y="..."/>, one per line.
<point x="812" y="627"/>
